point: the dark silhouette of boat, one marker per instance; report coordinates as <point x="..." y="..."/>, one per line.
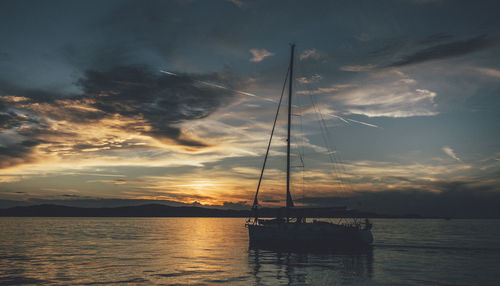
<point x="292" y="230"/>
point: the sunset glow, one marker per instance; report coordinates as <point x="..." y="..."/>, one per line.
<point x="181" y="114"/>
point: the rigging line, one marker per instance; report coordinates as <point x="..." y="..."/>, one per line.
<point x="316" y="109"/>
<point x="327" y="145"/>
<point x="300" y="147"/>
<point x="255" y="201"/>
<point x="305" y="71"/>
<point x="337" y="170"/>
<point x="289" y="200"/>
<point x="342" y="167"/>
<point x="324" y="133"/>
<point x="322" y="127"/>
<point x="336" y="164"/>
<point x="333" y="155"/>
<point x="339" y="162"/>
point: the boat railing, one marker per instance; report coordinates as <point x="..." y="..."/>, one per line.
<point x="356" y="224"/>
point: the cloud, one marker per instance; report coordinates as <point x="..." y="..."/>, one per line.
<point x="259" y="55"/>
<point x="312" y="79"/>
<point x="10" y="119"/>
<point x="398" y="98"/>
<point x="310" y="54"/>
<point x="449" y="151"/>
<point x="434" y="38"/>
<point x="162" y="101"/>
<point x="488" y="71"/>
<point x="242" y="205"/>
<point x="117" y="106"/>
<point x="364" y="37"/>
<point x="458" y="199"/>
<point x="238" y="3"/>
<point x="324" y="90"/>
<point x="446" y="50"/>
<point x="358" y="68"/>
<point x="19" y="153"/>
<point x="431" y="188"/>
<point x="380" y="93"/>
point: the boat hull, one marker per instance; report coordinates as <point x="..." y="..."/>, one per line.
<point x="309" y="236"/>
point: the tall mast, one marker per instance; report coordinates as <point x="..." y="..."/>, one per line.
<point x="289" y="201"/>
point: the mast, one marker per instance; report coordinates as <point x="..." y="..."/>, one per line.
<point x="289" y="201"/>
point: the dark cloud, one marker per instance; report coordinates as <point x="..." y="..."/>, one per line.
<point x="454" y="199"/>
<point x="185" y="196"/>
<point x="153" y="103"/>
<point x="446" y="50"/>
<point x="235" y="206"/>
<point x="161" y="100"/>
<point x="387" y="47"/>
<point x="113" y="59"/>
<point x="158" y="31"/>
<point x="270" y="201"/>
<point x="70" y="196"/>
<point x="435" y="38"/>
<point x="20" y="153"/>
<point x="10" y="119"/>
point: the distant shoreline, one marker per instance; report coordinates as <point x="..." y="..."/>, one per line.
<point x="158" y="210"/>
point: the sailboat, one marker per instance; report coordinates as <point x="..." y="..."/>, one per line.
<point x="292" y="229"/>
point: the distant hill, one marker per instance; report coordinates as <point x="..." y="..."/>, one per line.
<point x="150" y="210"/>
<point x="157" y="210"/>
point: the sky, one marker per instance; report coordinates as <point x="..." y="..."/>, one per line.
<point x="396" y="103"/>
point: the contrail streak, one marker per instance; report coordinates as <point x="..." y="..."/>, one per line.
<point x="341" y="118"/>
<point x="213" y="84"/>
<point x="364" y="123"/>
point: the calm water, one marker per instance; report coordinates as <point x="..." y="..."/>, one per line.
<point x="211" y="251"/>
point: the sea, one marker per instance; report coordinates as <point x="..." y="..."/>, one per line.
<point x="215" y="251"/>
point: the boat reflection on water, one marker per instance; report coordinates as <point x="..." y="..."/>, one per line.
<point x="335" y="267"/>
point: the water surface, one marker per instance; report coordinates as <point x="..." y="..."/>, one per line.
<point x="213" y="251"/>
